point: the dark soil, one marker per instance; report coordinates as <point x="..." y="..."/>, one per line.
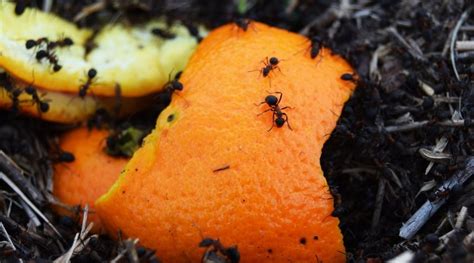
<point x="372" y="159"/>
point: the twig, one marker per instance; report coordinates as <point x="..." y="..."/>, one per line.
<point x="420" y="124"/>
<point x="461" y="218"/>
<point x="30" y="214"/>
<point x="17" y="190"/>
<point x="411" y="227"/>
<point x="47" y="4"/>
<point x="378" y="205"/>
<point x="415" y="52"/>
<point x="454" y="35"/>
<point x="8" y="166"/>
<point x="406" y="127"/>
<point x="464" y="45"/>
<point x="90" y="9"/>
<point x="7" y="236"/>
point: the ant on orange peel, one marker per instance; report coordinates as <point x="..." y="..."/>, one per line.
<point x="264" y="205"/>
<point x="279" y="117"/>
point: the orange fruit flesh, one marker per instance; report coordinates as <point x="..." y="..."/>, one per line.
<point x="273" y="201"/>
<point x="89" y="176"/>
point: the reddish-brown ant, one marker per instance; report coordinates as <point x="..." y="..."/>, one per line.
<point x="215" y="249"/>
<point x="279" y="117"/>
<point x="52" y="58"/>
<point x="85" y="87"/>
<point x="41" y="105"/>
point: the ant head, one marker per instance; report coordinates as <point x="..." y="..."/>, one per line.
<point x="43" y="106"/>
<point x="57" y="68"/>
<point x="177" y="85"/>
<point x="279" y="122"/>
<point x="271" y="100"/>
<point x="30" y="90"/>
<point x="274" y="61"/>
<point x="68" y="41"/>
<point x="41" y="54"/>
<point x="30" y="43"/>
<point x="316" y="39"/>
<point x="347" y="76"/>
<point x="206" y="242"/>
<point x="92" y="73"/>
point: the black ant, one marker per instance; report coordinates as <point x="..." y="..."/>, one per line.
<point x="174" y="84"/>
<point x="52" y="58"/>
<point x="442" y="193"/>
<point x="279" y="117"/>
<point x="20" y="7"/>
<point x="193" y="31"/>
<point x="13" y="92"/>
<point x="163" y="33"/>
<point x="231" y="254"/>
<point x="41" y="105"/>
<point x="348" y="77"/>
<point x="30" y="43"/>
<point x="316" y="45"/>
<point x="243" y="23"/>
<point x="65" y="42"/>
<point x="270" y="64"/>
<point x="90" y="76"/>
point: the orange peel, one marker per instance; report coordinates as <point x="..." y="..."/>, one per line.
<point x="92" y="172"/>
<point x="212" y="169"/>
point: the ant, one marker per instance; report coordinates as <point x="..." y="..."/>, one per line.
<point x="30" y="43"/>
<point x="193" y="31"/>
<point x="348" y="77"/>
<point x="90" y="76"/>
<point x="42" y="106"/>
<point x="52" y="58"/>
<point x="243" y="23"/>
<point x="439" y="194"/>
<point x="174" y="85"/>
<point x="270" y="64"/>
<point x="279" y="117"/>
<point x="231" y="254"/>
<point x="162" y="33"/>
<point x="65" y="42"/>
<point x="13" y="92"/>
<point x="316" y="45"/>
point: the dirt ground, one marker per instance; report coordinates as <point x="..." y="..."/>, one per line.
<point x="415" y="92"/>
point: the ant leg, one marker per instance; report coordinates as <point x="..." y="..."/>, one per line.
<point x="287" y="107"/>
<point x="273" y="121"/>
<point x="271" y="109"/>
<point x="286" y="120"/>
<point x="265" y="61"/>
<point x="263" y="102"/>
<point x="281" y="96"/>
